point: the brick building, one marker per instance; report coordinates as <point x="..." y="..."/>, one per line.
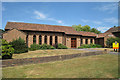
<point x="52" y="34"/>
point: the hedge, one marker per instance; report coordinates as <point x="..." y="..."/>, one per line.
<point x="90" y="46"/>
<point x="37" y="47"/>
<point x="19" y="45"/>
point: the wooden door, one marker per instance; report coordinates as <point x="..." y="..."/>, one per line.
<point x="73" y="42"/>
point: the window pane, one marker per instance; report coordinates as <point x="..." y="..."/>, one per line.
<point x="86" y="42"/>
<point x="34" y="39"/>
<point x="50" y="40"/>
<point x="40" y="39"/>
<point x="56" y="40"/>
<point x="91" y="41"/>
<point x="45" y="40"/>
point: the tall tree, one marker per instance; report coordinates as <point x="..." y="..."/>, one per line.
<point x="95" y="31"/>
<point x="85" y="28"/>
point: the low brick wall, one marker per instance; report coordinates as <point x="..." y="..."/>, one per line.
<point x="16" y="62"/>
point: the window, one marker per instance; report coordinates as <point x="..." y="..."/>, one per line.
<point x="27" y="40"/>
<point x="56" y="40"/>
<point x="91" y="41"/>
<point x="81" y="41"/>
<point x="40" y="39"/>
<point x="86" y="41"/>
<point x="50" y="40"/>
<point x="34" y="39"/>
<point x="45" y="39"/>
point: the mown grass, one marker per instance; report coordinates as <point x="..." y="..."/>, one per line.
<point x="99" y="66"/>
<point x="43" y="53"/>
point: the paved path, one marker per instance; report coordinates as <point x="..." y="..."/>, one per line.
<point x="116" y="53"/>
<point x="94" y="49"/>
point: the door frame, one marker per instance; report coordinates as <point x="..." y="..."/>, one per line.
<point x="75" y="42"/>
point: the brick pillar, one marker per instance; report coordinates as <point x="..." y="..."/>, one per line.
<point x="88" y="41"/>
<point x="83" y="41"/>
<point x="43" y="39"/>
<point x="30" y="40"/>
<point x="60" y="39"/>
<point x="37" y="39"/>
<point x="48" y="40"/>
<point x="53" y="40"/>
<point x="93" y="41"/>
<point x="68" y="42"/>
<point x="78" y="42"/>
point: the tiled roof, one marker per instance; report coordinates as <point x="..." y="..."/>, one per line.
<point x="113" y="29"/>
<point x="43" y="27"/>
<point x="83" y="33"/>
<point x="101" y="35"/>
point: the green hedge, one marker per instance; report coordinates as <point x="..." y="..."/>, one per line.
<point x="90" y="46"/>
<point x="34" y="47"/>
<point x="37" y="47"/>
<point x="7" y="50"/>
<point x="19" y="45"/>
<point x="61" y="46"/>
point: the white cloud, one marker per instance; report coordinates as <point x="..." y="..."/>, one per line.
<point x="84" y="20"/>
<point x="14" y="21"/>
<point x="91" y="21"/>
<point x="110" y="8"/>
<point x="59" y="21"/>
<point x="103" y="29"/>
<point x="42" y="16"/>
<point x="97" y="22"/>
<point x="111" y="20"/>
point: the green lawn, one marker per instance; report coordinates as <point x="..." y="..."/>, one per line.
<point x="99" y="66"/>
<point x="43" y="53"/>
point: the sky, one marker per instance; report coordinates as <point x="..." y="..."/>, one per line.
<point x="99" y="15"/>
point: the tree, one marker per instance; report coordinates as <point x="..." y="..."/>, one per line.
<point x="111" y="40"/>
<point x="19" y="45"/>
<point x="85" y="28"/>
<point x="95" y="31"/>
<point x="77" y="27"/>
<point x="7" y="50"/>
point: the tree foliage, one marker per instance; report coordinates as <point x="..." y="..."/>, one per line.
<point x="85" y="28"/>
<point x="7" y="50"/>
<point x="19" y="45"/>
<point x="111" y="40"/>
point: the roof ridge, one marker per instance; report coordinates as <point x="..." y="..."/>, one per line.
<point x="41" y="24"/>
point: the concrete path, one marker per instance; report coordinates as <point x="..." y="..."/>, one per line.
<point x="116" y="53"/>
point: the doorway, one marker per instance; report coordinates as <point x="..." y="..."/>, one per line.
<point x="73" y="42"/>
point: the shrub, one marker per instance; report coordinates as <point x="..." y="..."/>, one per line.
<point x="111" y="40"/>
<point x="7" y="50"/>
<point x="37" y="47"/>
<point x="90" y="46"/>
<point x="19" y="45"/>
<point x="34" y="47"/>
<point x="45" y="46"/>
<point x="61" y="46"/>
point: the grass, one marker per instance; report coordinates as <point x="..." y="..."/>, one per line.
<point x="43" y="53"/>
<point x="99" y="66"/>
